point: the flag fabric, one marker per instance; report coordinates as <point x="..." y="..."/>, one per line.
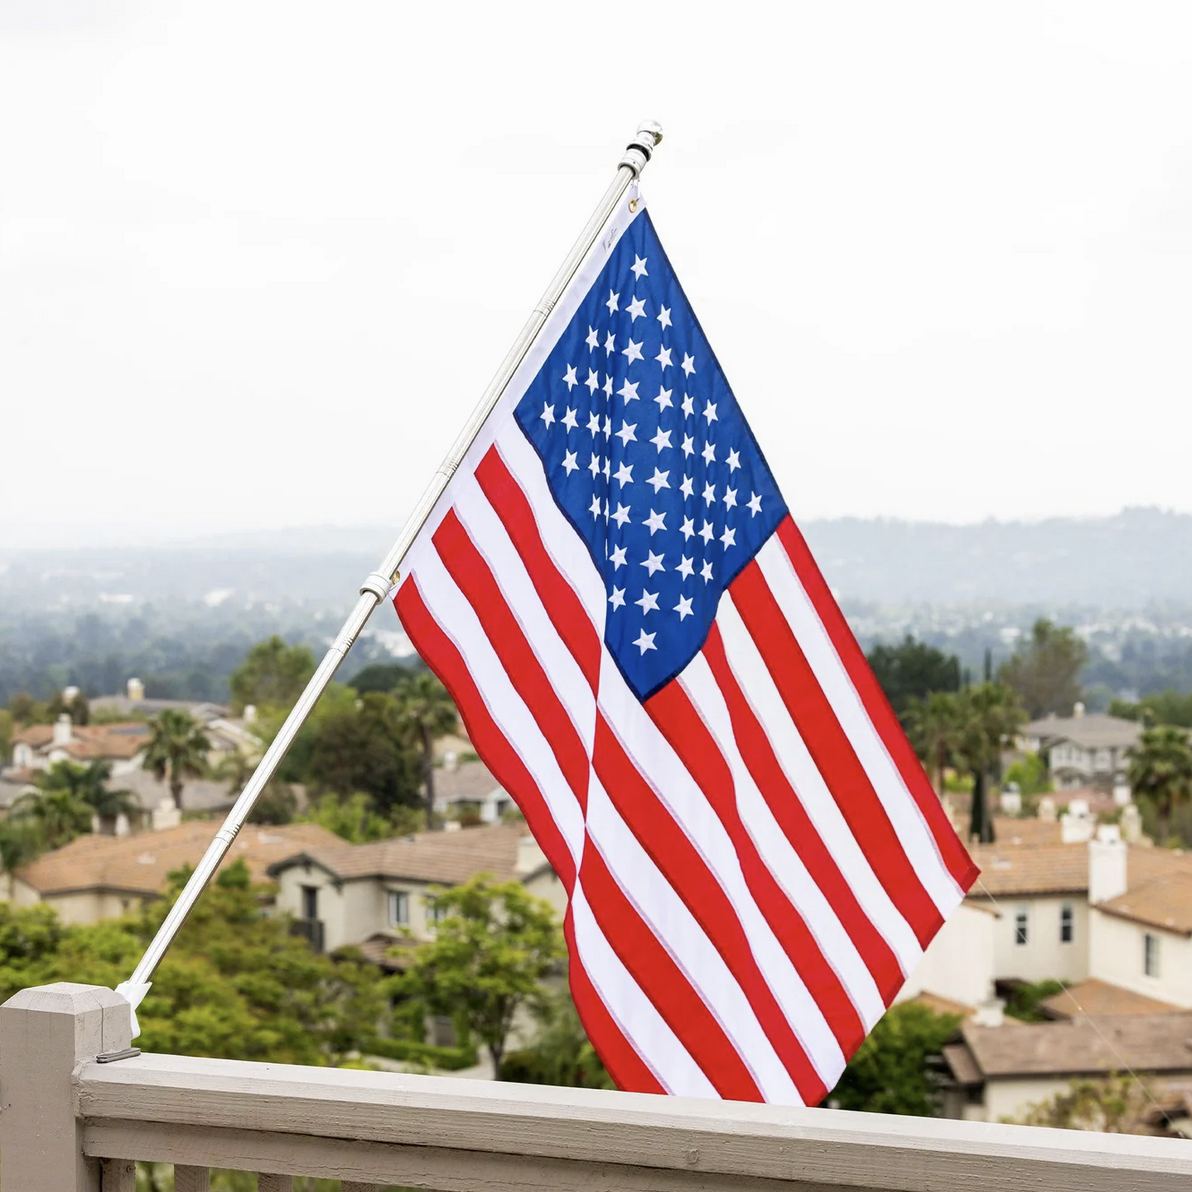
<point x="648" y="659"/>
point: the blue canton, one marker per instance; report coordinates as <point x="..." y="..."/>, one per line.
<point x="650" y="458"/>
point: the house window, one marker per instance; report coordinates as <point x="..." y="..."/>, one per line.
<point x="1150" y="955"/>
<point x="399" y="908"/>
<point x="310" y="902"/>
<point x="1021" y="926"/>
<point x="1067" y="923"/>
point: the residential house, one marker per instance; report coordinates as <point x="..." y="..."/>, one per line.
<point x="463" y="788"/>
<point x="101" y="877"/>
<point x="376" y="895"/>
<point x="39" y="746"/>
<point x="1083" y="750"/>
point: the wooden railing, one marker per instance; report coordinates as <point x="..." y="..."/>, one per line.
<point x="71" y="1123"/>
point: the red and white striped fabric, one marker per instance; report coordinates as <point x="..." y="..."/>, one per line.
<point x="754" y="857"/>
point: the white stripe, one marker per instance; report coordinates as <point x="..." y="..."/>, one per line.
<point x="655" y="759"/>
<point x="753" y="677"/>
<point x="565" y="547"/>
<point x="775" y="849"/>
<point x="634" y="1013"/>
<point x="681" y="935"/>
<point x="916" y="838"/>
<point x="455" y="616"/>
<point x="492" y="540"/>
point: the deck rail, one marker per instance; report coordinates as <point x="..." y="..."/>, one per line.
<point x="72" y="1122"/>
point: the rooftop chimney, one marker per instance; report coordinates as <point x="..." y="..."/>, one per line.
<point x="136" y="690"/>
<point x="1077" y="710"/>
<point x="62" y="729"/>
<point x="990" y="1013"/>
<point x="1077" y="823"/>
<point x="1131" y="823"/>
<point x="1107" y="864"/>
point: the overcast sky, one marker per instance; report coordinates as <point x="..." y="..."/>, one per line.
<point x="258" y="261"/>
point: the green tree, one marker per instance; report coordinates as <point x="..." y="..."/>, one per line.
<point x="427" y="711"/>
<point x="27" y="710"/>
<point x="1160" y="771"/>
<point x="356" y="819"/>
<point x="1045" y="669"/>
<point x="177" y="750"/>
<point x="21" y="840"/>
<point x="77" y="708"/>
<point x="1164" y="707"/>
<point x="1026" y="997"/>
<point x="494" y="946"/>
<point x="935" y="726"/>
<point x="380" y="676"/>
<point x="560" y="1053"/>
<point x="89" y="784"/>
<point x="990" y="716"/>
<point x="60" y="815"/>
<point x="1031" y="775"/>
<point x="1117" y="1105"/>
<point x="912" y="670"/>
<point x="6" y="731"/>
<point x="272" y="675"/>
<point x="889" y="1073"/>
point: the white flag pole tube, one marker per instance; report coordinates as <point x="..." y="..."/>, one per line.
<point x="378" y="584"/>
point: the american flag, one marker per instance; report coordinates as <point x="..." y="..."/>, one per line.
<point x="648" y="659"/>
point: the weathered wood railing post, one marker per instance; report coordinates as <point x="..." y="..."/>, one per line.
<point x="45" y="1033"/>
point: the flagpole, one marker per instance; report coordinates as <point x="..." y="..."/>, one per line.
<point x="377" y="584"/>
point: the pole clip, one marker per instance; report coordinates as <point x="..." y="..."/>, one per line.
<point x="377" y="584"/>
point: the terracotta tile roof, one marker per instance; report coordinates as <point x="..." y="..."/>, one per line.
<point x="141" y="863"/>
<point x="963" y="1067"/>
<point x="1099" y="998"/>
<point x="448" y="857"/>
<point x="942" y="1005"/>
<point x="1082" y="1045"/>
<point x="35" y="736"/>
<point x="89" y="742"/>
<point x="1010" y="830"/>
<point x="1164" y="902"/>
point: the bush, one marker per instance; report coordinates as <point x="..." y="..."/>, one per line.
<point x="448" y="1059"/>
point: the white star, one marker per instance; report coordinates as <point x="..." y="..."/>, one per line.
<point x="594" y="508"/>
<point x="594" y="423"/>
<point x="607" y="428"/>
<point x="706" y="532"/>
<point x="639" y="267"/>
<point x="593" y="381"/>
<point x="730" y="498"/>
<point x="688" y="406"/>
<point x="663" y="399"/>
<point x="645" y="641"/>
<point x="624" y="473"/>
<point x="613" y="302"/>
<point x="594" y="464"/>
<point x="729" y="537"/>
<point x="662" y="439"/>
<point x="709" y="493"/>
<point x="656" y="521"/>
<point x="710" y="413"/>
<point x="653" y="562"/>
<point x="683" y="608"/>
<point x="688" y="365"/>
<point x="734" y="461"/>
<point x="620" y="517"/>
<point x="609" y="344"/>
<point x="628" y="431"/>
<point x="569" y="464"/>
<point x="706" y="570"/>
<point x="617" y="598"/>
<point x="687" y="528"/>
<point x="648" y="602"/>
<point x="685" y="568"/>
<point x="709" y="453"/>
<point x="569" y="420"/>
<point x="548" y="413"/>
<point x="634" y="351"/>
<point x="663" y="357"/>
<point x="570" y="379"/>
<point x="629" y="391"/>
<point x="688" y="445"/>
<point x="664" y="317"/>
<point x="687" y="487"/>
<point x="755" y="504"/>
<point x="608" y="385"/>
<point x="593" y="340"/>
<point x="659" y="480"/>
<point x="618" y="555"/>
<point x="636" y="309"/>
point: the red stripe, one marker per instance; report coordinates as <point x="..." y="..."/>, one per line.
<point x="787" y="809"/>
<point x="444" y="658"/>
<point x="689" y="876"/>
<point x="672" y="710"/>
<point x="628" y="1070"/>
<point x="663" y="982"/>
<point x="877" y="706"/>
<point x="832" y="751"/>
<point x="562" y="605"/>
<point x="472" y="575"/>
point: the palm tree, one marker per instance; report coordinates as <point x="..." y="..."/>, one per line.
<point x="177" y="750"/>
<point x="1161" y="771"/>
<point x="60" y="815"/>
<point x="934" y="727"/>
<point x="990" y="716"/>
<point x="427" y="712"/>
<point x="89" y="784"/>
